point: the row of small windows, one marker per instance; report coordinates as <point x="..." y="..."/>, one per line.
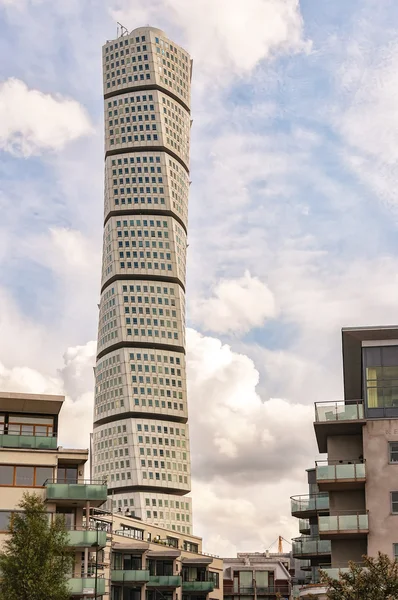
<point x="155" y="515"/>
<point x="162" y="476"/>
<point x="121" y="45"/>
<point x="137" y="138"/>
<point x="128" y="79"/>
<point x="149" y="402"/>
<point x="136" y="159"/>
<point x="160" y="503"/>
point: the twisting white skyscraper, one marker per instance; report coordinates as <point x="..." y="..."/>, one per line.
<point x="141" y="438"/>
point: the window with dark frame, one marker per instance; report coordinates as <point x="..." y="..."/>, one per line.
<point x="393" y="452"/>
<point x="394" y="503"/>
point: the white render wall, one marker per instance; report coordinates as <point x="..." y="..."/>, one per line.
<point x="141" y="435"/>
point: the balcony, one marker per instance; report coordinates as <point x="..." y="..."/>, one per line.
<point x="337" y="418"/>
<point x="198" y="586"/>
<point x="343" y="526"/>
<point x="340" y="475"/>
<point x="130" y="576"/>
<point x="335" y="571"/>
<point x="305" y="565"/>
<point x="86" y="586"/>
<point x="85" y="538"/>
<point x="94" y="492"/>
<point x="170" y="581"/>
<point x="309" y="506"/>
<point x="304" y="526"/>
<point x="311" y="547"/>
<point x="283" y="590"/>
<point x="32" y="442"/>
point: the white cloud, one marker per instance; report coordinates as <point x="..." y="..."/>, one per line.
<point x="224" y="37"/>
<point x="32" y="122"/>
<point x="248" y="452"/>
<point x="75" y="380"/>
<point x="235" y="433"/>
<point x="237" y="305"/>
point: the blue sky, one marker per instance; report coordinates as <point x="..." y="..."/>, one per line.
<point x="293" y="223"/>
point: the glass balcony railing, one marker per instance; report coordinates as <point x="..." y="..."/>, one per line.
<point x="84" y="538"/>
<point x="340" y="471"/>
<point x="338" y="411"/>
<point x="34" y="442"/>
<point x="164" y="581"/>
<point x="348" y="523"/>
<point x="86" y="490"/>
<point x="309" y="546"/>
<point x="197" y="586"/>
<point x="334" y="572"/>
<point x="304" y="525"/>
<point x="311" y="503"/>
<point x="86" y="586"/>
<point x="133" y="575"/>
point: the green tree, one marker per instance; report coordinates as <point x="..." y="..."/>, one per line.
<point x="375" y="579"/>
<point x="35" y="561"/>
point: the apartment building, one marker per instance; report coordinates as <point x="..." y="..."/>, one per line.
<point x="117" y="556"/>
<point x="141" y="433"/>
<point x="31" y="461"/>
<point x="352" y="508"/>
<point x="145" y="562"/>
<point x="252" y="575"/>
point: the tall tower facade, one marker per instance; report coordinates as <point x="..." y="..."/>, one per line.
<point x="141" y="436"/>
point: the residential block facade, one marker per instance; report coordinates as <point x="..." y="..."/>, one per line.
<point x="141" y="435"/>
<point x="352" y="508"/>
<point x="117" y="556"/>
<point x="255" y="575"/>
<point x="31" y="461"/>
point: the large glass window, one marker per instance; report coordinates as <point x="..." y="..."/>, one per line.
<point x="24" y="476"/>
<point x="381" y="377"/>
<point x="67" y="475"/>
<point x="160" y="567"/>
<point x="4" y="520"/>
<point x="6" y="475"/>
<point x="395" y="551"/>
<point x="24" y="425"/>
<point x="69" y="516"/>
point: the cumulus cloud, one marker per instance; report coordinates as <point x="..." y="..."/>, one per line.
<point x="248" y="451"/>
<point x="237" y="305"/>
<point x="32" y="122"/>
<point x="235" y="433"/>
<point x="74" y="380"/>
<point x="224" y="37"/>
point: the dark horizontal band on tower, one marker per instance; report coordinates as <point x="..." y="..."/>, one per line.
<point x="147" y="488"/>
<point x="130" y="150"/>
<point x="140" y="415"/>
<point x="138" y="277"/>
<point x="150" y="87"/>
<point x="125" y="344"/>
<point x="144" y="211"/>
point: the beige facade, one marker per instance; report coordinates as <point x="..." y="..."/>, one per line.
<point x="31" y="461"/>
<point x="256" y="575"/>
<point x="352" y="509"/>
<point x="117" y="556"/>
<point x="141" y="434"/>
<point x="145" y="562"/>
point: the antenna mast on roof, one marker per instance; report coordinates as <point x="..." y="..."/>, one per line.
<point x="123" y="30"/>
